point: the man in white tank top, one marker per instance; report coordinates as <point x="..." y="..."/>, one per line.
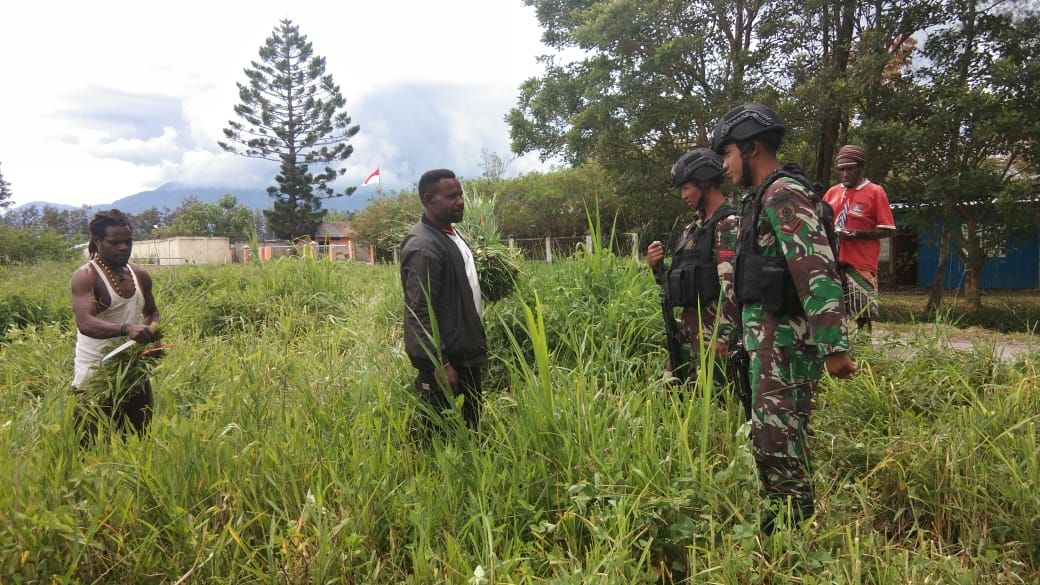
<point x="112" y="301"/>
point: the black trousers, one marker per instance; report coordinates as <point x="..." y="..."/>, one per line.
<point x="131" y="412"/>
<point x="438" y="399"/>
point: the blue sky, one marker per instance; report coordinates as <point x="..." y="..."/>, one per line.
<point x="105" y="99"/>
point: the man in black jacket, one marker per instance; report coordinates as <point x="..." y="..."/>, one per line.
<point x="443" y="332"/>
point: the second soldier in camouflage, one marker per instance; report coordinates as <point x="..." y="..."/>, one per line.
<point x="700" y="279"/>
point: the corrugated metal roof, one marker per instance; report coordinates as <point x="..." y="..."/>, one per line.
<point x="334" y="229"/>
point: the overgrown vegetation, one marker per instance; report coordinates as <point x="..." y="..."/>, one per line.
<point x="498" y="266"/>
<point x="32" y="245"/>
<point x="281" y="449"/>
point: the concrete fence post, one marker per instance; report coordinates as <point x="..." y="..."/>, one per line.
<point x="548" y="250"/>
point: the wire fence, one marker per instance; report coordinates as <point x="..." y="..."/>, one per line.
<point x="546" y="249"/>
<point x="351" y="251"/>
<point x="553" y="248"/>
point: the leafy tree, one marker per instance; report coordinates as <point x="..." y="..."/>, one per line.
<point x="23" y="217"/>
<point x="972" y="160"/>
<point x="6" y="195"/>
<point x="27" y="245"/>
<point x="539" y="205"/>
<point x="385" y="220"/>
<point x="652" y="78"/>
<point x="147" y="221"/>
<point x="291" y="112"/>
<point x="494" y="165"/>
<point x="846" y="66"/>
<point x="73" y="224"/>
<point x="225" y="218"/>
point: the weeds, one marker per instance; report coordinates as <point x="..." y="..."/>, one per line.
<point x="280" y="451"/>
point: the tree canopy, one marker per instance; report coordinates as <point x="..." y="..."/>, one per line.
<point x="6" y="195"/>
<point x="226" y="218"/>
<point x="941" y="93"/>
<point x="292" y="113"/>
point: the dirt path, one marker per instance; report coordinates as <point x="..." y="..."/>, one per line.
<point x="1006" y="350"/>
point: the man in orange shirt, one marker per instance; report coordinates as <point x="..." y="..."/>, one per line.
<point x="862" y="217"/>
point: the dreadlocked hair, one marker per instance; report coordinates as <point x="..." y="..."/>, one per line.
<point x="101" y="222"/>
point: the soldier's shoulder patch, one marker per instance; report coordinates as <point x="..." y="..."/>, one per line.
<point x="787" y="215"/>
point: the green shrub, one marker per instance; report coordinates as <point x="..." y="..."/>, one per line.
<point x="33" y="245"/>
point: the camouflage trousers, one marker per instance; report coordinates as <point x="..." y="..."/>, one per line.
<point x="783" y="380"/>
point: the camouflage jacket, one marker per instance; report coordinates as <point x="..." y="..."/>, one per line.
<point x="722" y="314"/>
<point x="789" y="226"/>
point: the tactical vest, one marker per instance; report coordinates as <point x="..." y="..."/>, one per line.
<point x="767" y="279"/>
<point x="694" y="276"/>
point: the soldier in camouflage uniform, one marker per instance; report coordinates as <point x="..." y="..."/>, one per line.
<point x="791" y="297"/>
<point x="701" y="276"/>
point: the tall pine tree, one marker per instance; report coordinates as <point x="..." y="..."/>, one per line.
<point x="291" y="112"/>
<point x="5" y="194"/>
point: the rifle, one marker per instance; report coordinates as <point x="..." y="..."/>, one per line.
<point x="680" y="362"/>
<point x="739" y="362"/>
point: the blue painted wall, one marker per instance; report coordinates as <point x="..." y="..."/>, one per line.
<point x="1019" y="268"/>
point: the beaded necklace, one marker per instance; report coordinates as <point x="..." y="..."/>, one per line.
<point x="112" y="277"/>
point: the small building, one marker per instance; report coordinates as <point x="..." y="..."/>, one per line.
<point x="1016" y="265"/>
<point x="333" y="240"/>
<point x="911" y="258"/>
<point x="182" y="250"/>
<point x="336" y="239"/>
<point x="334" y="232"/>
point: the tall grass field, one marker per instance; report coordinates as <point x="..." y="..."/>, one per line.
<point x="282" y="448"/>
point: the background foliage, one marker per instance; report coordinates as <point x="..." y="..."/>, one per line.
<point x="941" y="93"/>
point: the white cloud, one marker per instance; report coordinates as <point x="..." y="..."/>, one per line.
<point x="203" y="168"/>
<point x="150" y="151"/>
<point x="120" y="97"/>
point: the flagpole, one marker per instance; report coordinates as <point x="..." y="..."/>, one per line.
<point x="379" y="182"/>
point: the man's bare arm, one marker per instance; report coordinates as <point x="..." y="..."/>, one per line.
<point x="150" y="310"/>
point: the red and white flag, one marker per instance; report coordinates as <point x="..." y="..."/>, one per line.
<point x="372" y="177"/>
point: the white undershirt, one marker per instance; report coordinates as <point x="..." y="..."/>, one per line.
<point x="471" y="270"/>
<point x="89" y="350"/>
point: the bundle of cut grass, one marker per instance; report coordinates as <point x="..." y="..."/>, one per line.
<point x="121" y="376"/>
<point x="498" y="266"/>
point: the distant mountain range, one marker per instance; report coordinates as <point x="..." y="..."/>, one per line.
<point x="172" y="195"/>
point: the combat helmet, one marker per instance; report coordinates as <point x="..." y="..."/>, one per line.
<point x="699" y="164"/>
<point x="743" y="123"/>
